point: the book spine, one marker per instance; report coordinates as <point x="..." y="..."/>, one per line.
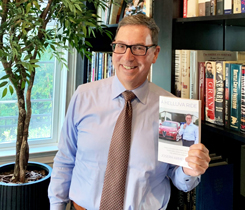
<point x="220" y="7"/>
<point x="235" y="116"/>
<point x="185" y="2"/>
<point x="243" y="6"/>
<point x="185" y="63"/>
<point x="227" y="95"/>
<point x="243" y="99"/>
<point x="201" y="7"/>
<point x="207" y="8"/>
<point x="213" y="7"/>
<point x="192" y="8"/>
<point x="210" y="94"/>
<point x="89" y="70"/>
<point x="93" y="66"/>
<point x="201" y="69"/>
<point x="178" y="73"/>
<point x="237" y="6"/>
<point x="193" y="75"/>
<point x="227" y="6"/>
<point x="219" y="94"/>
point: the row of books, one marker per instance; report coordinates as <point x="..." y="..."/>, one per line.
<point x="207" y="76"/>
<point x="113" y="11"/>
<point x="100" y="66"/>
<point x="195" y="8"/>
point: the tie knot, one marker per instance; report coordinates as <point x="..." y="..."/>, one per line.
<point x="128" y="95"/>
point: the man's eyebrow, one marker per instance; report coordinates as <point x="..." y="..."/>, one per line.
<point x="122" y="42"/>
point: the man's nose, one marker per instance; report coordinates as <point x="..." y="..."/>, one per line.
<point x="128" y="54"/>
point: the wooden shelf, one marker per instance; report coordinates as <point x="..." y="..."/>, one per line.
<point x="209" y="127"/>
<point x="229" y="19"/>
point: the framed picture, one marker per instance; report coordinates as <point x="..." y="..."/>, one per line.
<point x="134" y="7"/>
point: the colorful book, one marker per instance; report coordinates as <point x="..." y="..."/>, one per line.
<point x="235" y="116"/>
<point x="213" y="7"/>
<point x="201" y="70"/>
<point x="115" y="11"/>
<point x="227" y="94"/>
<point x="185" y="8"/>
<point x="193" y="75"/>
<point x="210" y="78"/>
<point x="243" y="6"/>
<point x="219" y="94"/>
<point x="207" y="8"/>
<point x="243" y="99"/>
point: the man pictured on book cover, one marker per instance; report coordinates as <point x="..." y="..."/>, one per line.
<point x="107" y="152"/>
<point x="209" y="70"/>
<point x="189" y="132"/>
<point x="219" y="72"/>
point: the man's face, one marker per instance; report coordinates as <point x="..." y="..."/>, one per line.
<point x="132" y="70"/>
<point x="218" y="67"/>
<point x="209" y="68"/>
<point x="188" y="119"/>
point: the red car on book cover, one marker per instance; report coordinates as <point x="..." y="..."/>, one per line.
<point x="169" y="130"/>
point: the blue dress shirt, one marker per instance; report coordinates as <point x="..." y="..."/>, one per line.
<point x="190" y="133"/>
<point x="80" y="164"/>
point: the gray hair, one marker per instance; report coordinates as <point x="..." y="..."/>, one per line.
<point x="141" y="19"/>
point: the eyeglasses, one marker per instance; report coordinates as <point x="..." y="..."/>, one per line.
<point x="135" y="49"/>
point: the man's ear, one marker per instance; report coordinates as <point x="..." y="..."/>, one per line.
<point x="157" y="50"/>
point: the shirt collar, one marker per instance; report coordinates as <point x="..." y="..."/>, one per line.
<point x="141" y="92"/>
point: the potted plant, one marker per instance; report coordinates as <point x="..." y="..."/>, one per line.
<point x="24" y="36"/>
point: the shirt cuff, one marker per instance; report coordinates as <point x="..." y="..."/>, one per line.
<point x="58" y="207"/>
<point x="189" y="181"/>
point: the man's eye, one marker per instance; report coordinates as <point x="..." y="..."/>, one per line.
<point x="120" y="46"/>
<point x="138" y="47"/>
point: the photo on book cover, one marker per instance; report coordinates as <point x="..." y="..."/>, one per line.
<point x="179" y="128"/>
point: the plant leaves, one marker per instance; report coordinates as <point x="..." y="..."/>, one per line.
<point x="11" y="89"/>
<point x="3" y="84"/>
<point x="4" y="92"/>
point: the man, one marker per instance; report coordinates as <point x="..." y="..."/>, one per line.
<point x="189" y="131"/>
<point x="209" y="70"/>
<point x="80" y="164"/>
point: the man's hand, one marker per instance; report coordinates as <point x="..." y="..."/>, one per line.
<point x="198" y="159"/>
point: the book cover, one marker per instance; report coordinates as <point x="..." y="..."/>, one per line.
<point x="201" y="70"/>
<point x="207" y="8"/>
<point x="201" y="7"/>
<point x="220" y="7"/>
<point x="179" y="128"/>
<point x="93" y="66"/>
<point x="178" y="73"/>
<point x="210" y="78"/>
<point x="219" y="94"/>
<point x="227" y="94"/>
<point x="235" y="116"/>
<point x="215" y="190"/>
<point x="237" y="6"/>
<point x="185" y="73"/>
<point x="243" y="99"/>
<point x="227" y="6"/>
<point x="213" y="7"/>
<point x="192" y="8"/>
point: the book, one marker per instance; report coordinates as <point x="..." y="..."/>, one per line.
<point x="192" y="8"/>
<point x="201" y="7"/>
<point x="242" y="123"/>
<point x="115" y="11"/>
<point x="176" y="116"/>
<point x="235" y="113"/>
<point x="201" y="70"/>
<point x="193" y="75"/>
<point x="178" y="78"/>
<point x="243" y="6"/>
<point x="185" y="8"/>
<point x="185" y="73"/>
<point x="227" y="94"/>
<point x="237" y="6"/>
<point x="210" y="78"/>
<point x="219" y="94"/>
<point x="215" y="191"/>
<point x="207" y="8"/>
<point x="227" y="6"/>
<point x="220" y="7"/>
<point x="213" y="7"/>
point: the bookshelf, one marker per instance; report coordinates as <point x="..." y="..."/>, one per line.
<point x="221" y="32"/>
